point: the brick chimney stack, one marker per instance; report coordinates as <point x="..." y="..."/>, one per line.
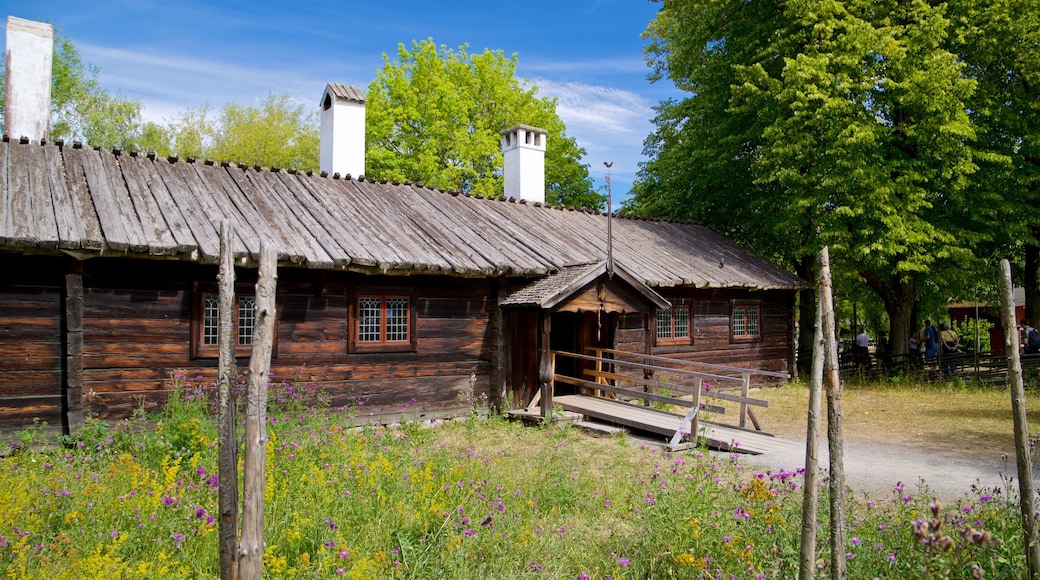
<point x="27" y="102"/>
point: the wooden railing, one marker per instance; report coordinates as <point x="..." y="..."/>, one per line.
<point x="621" y="374"/>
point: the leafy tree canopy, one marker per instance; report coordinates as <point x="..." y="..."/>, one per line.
<point x="837" y="122"/>
<point x="434" y="116"/>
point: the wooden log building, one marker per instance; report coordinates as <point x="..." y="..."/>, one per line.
<point x="392" y="295"/>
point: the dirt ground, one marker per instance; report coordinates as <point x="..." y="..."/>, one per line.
<point x="947" y="439"/>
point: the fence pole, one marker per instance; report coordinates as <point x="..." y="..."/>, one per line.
<point x="227" y="443"/>
<point x="1026" y="493"/>
<point x="251" y="547"/>
<point x="810" y="491"/>
<point x="835" y="449"/>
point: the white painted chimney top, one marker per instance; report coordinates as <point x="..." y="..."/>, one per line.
<point x="342" y="133"/>
<point x="27" y="103"/>
<point x="523" y="163"/>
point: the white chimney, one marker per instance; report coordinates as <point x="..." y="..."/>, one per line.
<point x="30" y="52"/>
<point x="523" y="160"/>
<point x="342" y="148"/>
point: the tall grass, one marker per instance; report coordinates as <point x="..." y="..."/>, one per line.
<point x="481" y="498"/>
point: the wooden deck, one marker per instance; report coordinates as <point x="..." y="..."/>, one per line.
<point x="647" y="419"/>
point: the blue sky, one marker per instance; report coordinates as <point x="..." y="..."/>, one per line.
<point x="172" y="55"/>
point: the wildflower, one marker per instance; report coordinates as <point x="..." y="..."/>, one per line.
<point x="178" y="539"/>
<point x="469" y="532"/>
<point x="167" y="500"/>
<point x="623" y="562"/>
<point x="340" y="571"/>
<point x="344" y="555"/>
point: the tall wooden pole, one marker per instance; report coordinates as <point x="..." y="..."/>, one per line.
<point x="810" y="491"/>
<point x="251" y="547"/>
<point x="227" y="443"/>
<point x="1026" y="493"/>
<point x="832" y="381"/>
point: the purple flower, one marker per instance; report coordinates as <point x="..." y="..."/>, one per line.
<point x="178" y="539"/>
<point x="469" y="532"/>
<point x="623" y="562"/>
<point x="167" y="500"/>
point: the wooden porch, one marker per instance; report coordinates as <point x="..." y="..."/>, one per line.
<point x="638" y="392"/>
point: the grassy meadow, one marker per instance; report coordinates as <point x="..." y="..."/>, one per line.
<point x="473" y="498"/>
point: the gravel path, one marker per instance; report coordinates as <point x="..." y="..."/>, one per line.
<point x="874" y="469"/>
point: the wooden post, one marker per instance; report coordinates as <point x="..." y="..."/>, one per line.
<point x="251" y="547"/>
<point x="75" y="414"/>
<point x="546" y="366"/>
<point x="1026" y="493"/>
<point x="227" y="443"/>
<point x="810" y="491"/>
<point x="745" y="390"/>
<point x="695" y="426"/>
<point x="832" y="381"/>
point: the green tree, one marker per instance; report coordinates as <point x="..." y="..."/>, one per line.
<point x="81" y="109"/>
<point x="1000" y="42"/>
<point x="838" y="122"/>
<point x="275" y="132"/>
<point x="434" y="117"/>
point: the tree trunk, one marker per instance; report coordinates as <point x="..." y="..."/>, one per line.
<point x="806" y="315"/>
<point x="1026" y="493"/>
<point x="227" y="443"/>
<point x="251" y="547"/>
<point x="1032" y="278"/>
<point x="835" y="437"/>
<point x="899" y="300"/>
<point x="810" y="488"/>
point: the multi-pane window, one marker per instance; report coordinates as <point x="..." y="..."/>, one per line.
<point x="244" y="321"/>
<point x="383" y="320"/>
<point x="673" y="323"/>
<point x="745" y="321"/>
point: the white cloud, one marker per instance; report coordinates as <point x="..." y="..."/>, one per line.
<point x="598" y="109"/>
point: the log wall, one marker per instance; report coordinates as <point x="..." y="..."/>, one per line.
<point x="31" y="353"/>
<point x="710" y="330"/>
<point x="136" y="320"/>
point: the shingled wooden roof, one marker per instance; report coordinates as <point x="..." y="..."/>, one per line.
<point x="88" y="202"/>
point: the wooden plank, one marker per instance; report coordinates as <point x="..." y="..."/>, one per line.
<point x="157" y="223"/>
<point x="275" y="225"/>
<point x="45" y="225"/>
<point x="217" y="180"/>
<point x="684" y="388"/>
<point x="198" y="217"/>
<point x="86" y="230"/>
<point x="357" y="236"/>
<point x="99" y="191"/>
<point x="20" y="227"/>
<point x="122" y="203"/>
<point x="634" y="394"/>
<point x="662" y="423"/>
<point x="327" y="232"/>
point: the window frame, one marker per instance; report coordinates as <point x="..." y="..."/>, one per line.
<point x="736" y="306"/>
<point x="199" y="349"/>
<point x="672" y="339"/>
<point x="356" y="345"/>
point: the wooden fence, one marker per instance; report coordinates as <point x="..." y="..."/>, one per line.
<point x="623" y="375"/>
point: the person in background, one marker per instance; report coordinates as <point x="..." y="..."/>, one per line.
<point x="863" y="349"/>
<point x="949" y="340"/>
<point x="1032" y="341"/>
<point x="915" y="350"/>
<point x="931" y="341"/>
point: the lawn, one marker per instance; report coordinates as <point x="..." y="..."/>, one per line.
<point x="473" y="498"/>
